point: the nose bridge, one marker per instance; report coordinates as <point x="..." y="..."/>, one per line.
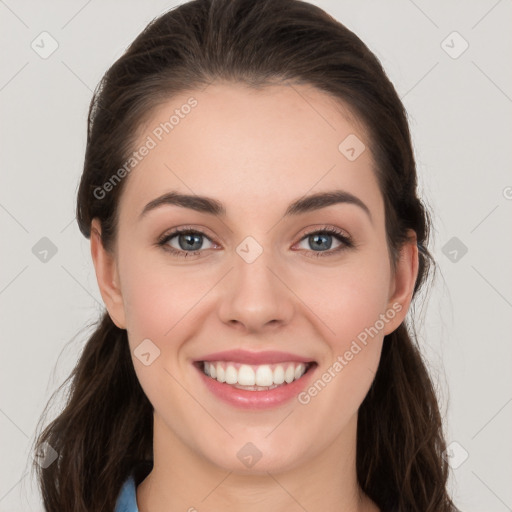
<point x="255" y="296"/>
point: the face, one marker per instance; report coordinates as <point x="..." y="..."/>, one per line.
<point x="282" y="282"/>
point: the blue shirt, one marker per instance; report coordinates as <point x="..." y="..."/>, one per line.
<point x="127" y="499"/>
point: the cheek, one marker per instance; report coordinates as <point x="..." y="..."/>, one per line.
<point x="341" y="300"/>
<point x="349" y="303"/>
<point x="159" y="298"/>
<point x="346" y="299"/>
<point x="357" y="314"/>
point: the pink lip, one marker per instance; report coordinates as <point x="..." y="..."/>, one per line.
<point x="245" y="399"/>
<point x="244" y="356"/>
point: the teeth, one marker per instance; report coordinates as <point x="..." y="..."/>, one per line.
<point x="231" y="375"/>
<point x="221" y="374"/>
<point x="254" y="377"/>
<point x="279" y="375"/>
<point x="246" y="375"/>
<point x="289" y="374"/>
<point x="264" y="376"/>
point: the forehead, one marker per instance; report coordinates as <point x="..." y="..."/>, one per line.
<point x="253" y="148"/>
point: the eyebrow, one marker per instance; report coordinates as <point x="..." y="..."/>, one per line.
<point x="213" y="207"/>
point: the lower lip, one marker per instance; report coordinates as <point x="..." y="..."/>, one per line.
<point x="245" y="399"/>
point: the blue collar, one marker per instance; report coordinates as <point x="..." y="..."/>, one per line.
<point x="127" y="499"/>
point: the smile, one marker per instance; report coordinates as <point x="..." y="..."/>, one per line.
<point x="255" y="386"/>
<point x="261" y="377"/>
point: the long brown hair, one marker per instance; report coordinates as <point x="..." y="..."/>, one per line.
<point x="105" y="428"/>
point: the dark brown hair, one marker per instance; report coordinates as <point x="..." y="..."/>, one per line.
<point x="105" y="428"/>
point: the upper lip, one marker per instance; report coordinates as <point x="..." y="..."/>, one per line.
<point x="261" y="357"/>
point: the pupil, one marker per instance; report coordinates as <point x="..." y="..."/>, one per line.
<point x="319" y="239"/>
<point x="187" y="241"/>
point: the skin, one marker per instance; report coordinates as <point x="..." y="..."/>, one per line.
<point x="255" y="151"/>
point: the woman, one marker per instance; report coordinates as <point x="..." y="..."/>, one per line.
<point x="249" y="190"/>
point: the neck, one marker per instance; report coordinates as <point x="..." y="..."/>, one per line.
<point x="183" y="480"/>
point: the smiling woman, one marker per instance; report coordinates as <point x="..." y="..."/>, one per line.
<point x="257" y="265"/>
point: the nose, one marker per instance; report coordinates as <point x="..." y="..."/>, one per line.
<point x="255" y="297"/>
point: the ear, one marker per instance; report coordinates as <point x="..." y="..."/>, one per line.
<point x="107" y="276"/>
<point x="402" y="282"/>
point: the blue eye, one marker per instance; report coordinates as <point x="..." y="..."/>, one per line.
<point x="190" y="242"/>
<point x="321" y="241"/>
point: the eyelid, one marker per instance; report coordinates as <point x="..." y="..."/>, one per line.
<point x="163" y="241"/>
<point x="325" y="228"/>
<point x="183" y="229"/>
<point x="345" y="240"/>
<point x="343" y="237"/>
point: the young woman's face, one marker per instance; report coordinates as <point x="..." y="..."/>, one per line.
<point x="285" y="282"/>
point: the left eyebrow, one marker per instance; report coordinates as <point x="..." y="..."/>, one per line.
<point x="324" y="199"/>
<point x="213" y="207"/>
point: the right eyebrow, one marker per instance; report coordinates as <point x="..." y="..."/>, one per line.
<point x="198" y="203"/>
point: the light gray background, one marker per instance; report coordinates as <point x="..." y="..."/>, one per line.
<point x="460" y="116"/>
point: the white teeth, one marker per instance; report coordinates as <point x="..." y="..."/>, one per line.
<point x="246" y="376"/>
<point x="221" y="374"/>
<point x="289" y="374"/>
<point x="264" y="376"/>
<point x="254" y="377"/>
<point x="278" y="375"/>
<point x="299" y="371"/>
<point x="231" y="375"/>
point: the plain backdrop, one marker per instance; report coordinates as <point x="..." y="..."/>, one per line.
<point x="457" y="89"/>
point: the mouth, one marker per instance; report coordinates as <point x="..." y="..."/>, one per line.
<point x="255" y="377"/>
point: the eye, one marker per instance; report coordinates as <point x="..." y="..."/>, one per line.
<point x="185" y="242"/>
<point x="321" y="241"/>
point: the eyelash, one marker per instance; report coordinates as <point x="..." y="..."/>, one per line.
<point x="345" y="240"/>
